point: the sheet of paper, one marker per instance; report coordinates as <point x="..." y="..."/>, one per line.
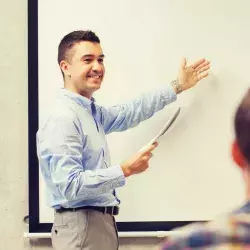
<point x="165" y="128"/>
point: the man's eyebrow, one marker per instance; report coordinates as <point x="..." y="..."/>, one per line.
<point x="91" y="55"/>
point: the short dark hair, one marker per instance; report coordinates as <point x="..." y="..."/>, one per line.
<point x="242" y="126"/>
<point x="71" y="39"/>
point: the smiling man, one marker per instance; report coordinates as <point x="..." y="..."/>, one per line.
<point x="82" y="66"/>
<point x="72" y="147"/>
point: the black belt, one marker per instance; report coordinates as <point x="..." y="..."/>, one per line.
<point x="104" y="210"/>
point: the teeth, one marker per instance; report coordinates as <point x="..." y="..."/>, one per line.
<point x="96" y="77"/>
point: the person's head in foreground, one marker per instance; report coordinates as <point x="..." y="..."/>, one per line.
<point x="241" y="146"/>
<point x="233" y="230"/>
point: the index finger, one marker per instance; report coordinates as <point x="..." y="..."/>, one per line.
<point x="150" y="148"/>
<point x="198" y="63"/>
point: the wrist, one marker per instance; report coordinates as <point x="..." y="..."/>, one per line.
<point x="126" y="170"/>
<point x="176" y="86"/>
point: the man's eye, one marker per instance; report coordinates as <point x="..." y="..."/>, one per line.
<point x="100" y="60"/>
<point x="87" y="60"/>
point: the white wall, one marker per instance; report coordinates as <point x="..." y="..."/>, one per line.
<point x="14" y="134"/>
<point x="13" y="125"/>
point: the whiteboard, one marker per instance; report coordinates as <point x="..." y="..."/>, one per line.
<point x="191" y="176"/>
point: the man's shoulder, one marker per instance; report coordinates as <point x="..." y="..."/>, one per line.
<point x="61" y="109"/>
<point x="214" y="233"/>
<point x="59" y="112"/>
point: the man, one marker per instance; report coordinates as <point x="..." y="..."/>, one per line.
<point x="233" y="230"/>
<point x="73" y="151"/>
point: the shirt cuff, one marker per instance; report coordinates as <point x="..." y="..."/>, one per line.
<point x="168" y="93"/>
<point x="120" y="178"/>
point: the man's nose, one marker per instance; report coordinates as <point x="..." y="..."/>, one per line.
<point x="97" y="66"/>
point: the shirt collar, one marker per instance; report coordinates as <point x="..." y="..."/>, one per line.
<point x="81" y="100"/>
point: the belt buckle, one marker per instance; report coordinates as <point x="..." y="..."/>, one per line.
<point x="106" y="209"/>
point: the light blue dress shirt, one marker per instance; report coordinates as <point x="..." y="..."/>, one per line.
<point x="73" y="152"/>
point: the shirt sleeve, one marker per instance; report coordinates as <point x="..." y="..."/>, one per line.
<point x="60" y="151"/>
<point x="121" y="117"/>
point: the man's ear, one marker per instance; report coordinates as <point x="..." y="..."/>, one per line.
<point x="237" y="155"/>
<point x="64" y="65"/>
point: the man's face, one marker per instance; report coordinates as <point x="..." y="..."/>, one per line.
<point x="85" y="68"/>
